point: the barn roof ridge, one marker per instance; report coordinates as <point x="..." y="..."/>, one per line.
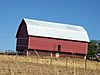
<point x="55" y="23"/>
<point x="56" y="30"/>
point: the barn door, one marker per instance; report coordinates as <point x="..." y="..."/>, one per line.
<point x="59" y="48"/>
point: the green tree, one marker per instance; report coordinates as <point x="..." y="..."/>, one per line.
<point x="93" y="45"/>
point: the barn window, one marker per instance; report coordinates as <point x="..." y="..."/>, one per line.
<point x="59" y="48"/>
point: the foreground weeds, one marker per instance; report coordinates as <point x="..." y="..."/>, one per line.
<point x="21" y="65"/>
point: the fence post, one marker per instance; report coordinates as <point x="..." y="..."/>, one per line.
<point x="45" y="61"/>
<point x="16" y="55"/>
<point x="97" y="66"/>
<point x="37" y="60"/>
<point x="66" y="63"/>
<point x="85" y="64"/>
<point x="74" y="64"/>
<point x="50" y="61"/>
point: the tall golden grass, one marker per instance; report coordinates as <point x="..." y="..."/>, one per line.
<point x="23" y="65"/>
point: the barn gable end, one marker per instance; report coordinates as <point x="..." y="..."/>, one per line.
<point x="22" y="37"/>
<point x="22" y="30"/>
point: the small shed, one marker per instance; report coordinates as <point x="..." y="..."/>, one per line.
<point x="50" y="37"/>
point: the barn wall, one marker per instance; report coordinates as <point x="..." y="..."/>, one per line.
<point x="22" y="37"/>
<point x="52" y="45"/>
<point x="22" y="44"/>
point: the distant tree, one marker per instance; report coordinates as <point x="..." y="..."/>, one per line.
<point x="94" y="47"/>
<point x="98" y="46"/>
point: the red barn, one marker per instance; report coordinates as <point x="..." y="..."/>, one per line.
<point x="51" y="37"/>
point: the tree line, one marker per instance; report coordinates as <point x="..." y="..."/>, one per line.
<point x="94" y="47"/>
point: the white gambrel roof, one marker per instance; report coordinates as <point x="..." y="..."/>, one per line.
<point x="56" y="30"/>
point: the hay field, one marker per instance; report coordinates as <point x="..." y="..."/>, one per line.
<point x="22" y="65"/>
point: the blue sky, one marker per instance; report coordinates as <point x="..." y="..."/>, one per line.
<point x="79" y="12"/>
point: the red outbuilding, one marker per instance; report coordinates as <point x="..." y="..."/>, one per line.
<point x="49" y="37"/>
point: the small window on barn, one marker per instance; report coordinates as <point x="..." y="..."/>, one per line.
<point x="59" y="48"/>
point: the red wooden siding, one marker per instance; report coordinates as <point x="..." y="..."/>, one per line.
<point x="52" y="45"/>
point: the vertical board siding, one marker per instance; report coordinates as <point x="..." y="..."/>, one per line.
<point x="22" y="37"/>
<point x="52" y="45"/>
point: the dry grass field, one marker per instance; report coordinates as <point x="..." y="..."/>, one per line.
<point x="22" y="65"/>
